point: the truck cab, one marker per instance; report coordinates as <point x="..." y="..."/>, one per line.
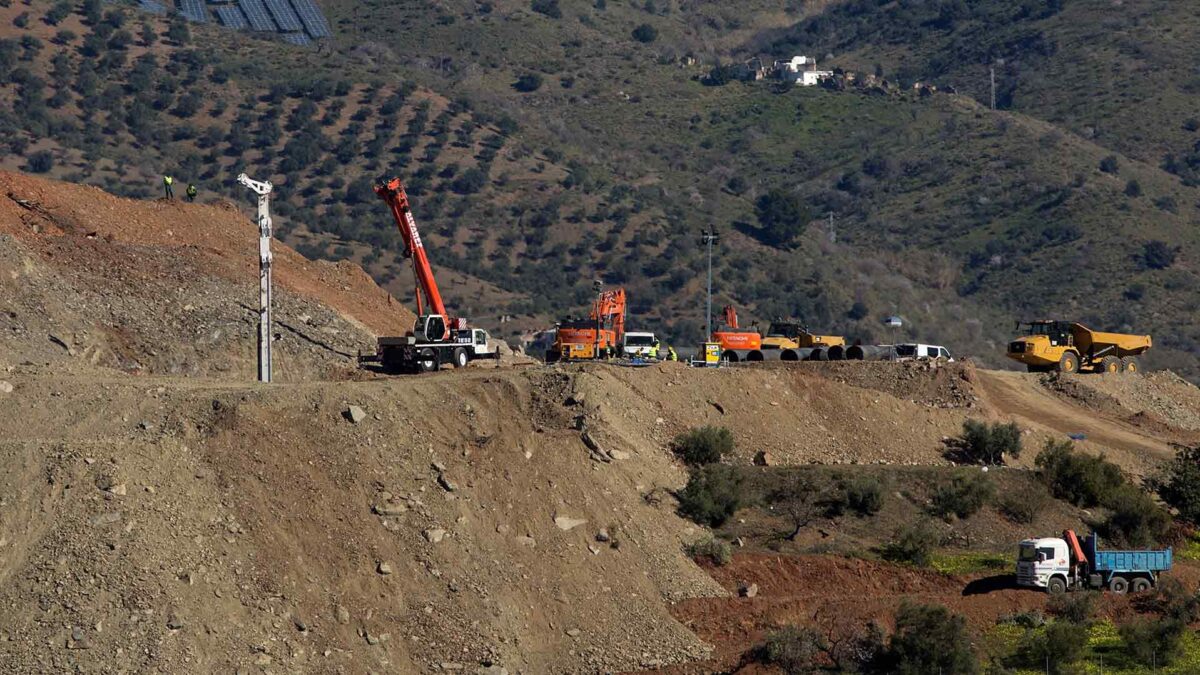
<point x="1067" y="564"/>
<point x="640" y="344"/>
<point x="1038" y="560"/>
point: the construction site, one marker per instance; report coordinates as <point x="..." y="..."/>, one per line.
<point x="164" y="511"/>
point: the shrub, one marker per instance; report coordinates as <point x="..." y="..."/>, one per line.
<point x="1023" y="507"/>
<point x="782" y="217"/>
<point x="712" y="495"/>
<point x="963" y="496"/>
<point x="1074" y="607"/>
<point x="1152" y="642"/>
<point x="1133" y="189"/>
<point x="1060" y="643"/>
<point x="863" y="494"/>
<point x="470" y="181"/>
<point x="1178" y="483"/>
<point x="528" y="82"/>
<point x="1158" y="255"/>
<point x="645" y="33"/>
<point x="1081" y="479"/>
<point x="984" y="443"/>
<point x="912" y="544"/>
<point x="549" y="8"/>
<point x="1110" y="165"/>
<point x="703" y="445"/>
<point x="794" y="650"/>
<point x="716" y="550"/>
<point x="1133" y="518"/>
<point x="1173" y="600"/>
<point x="41" y="162"/>
<point x="1031" y="619"/>
<point x="929" y="639"/>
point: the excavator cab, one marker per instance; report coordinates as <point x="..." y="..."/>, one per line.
<point x="431" y="328"/>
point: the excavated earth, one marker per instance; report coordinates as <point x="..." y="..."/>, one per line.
<point x="162" y="512"/>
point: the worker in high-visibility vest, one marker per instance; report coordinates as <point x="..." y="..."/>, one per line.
<point x="191" y="192"/>
<point x="671" y="355"/>
<point x="167" y="183"/>
<point x="653" y="351"/>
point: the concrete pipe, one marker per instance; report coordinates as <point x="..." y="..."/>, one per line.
<point x="837" y="353"/>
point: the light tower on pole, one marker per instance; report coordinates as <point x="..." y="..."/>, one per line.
<point x="709" y="238"/>
<point x="263" y="190"/>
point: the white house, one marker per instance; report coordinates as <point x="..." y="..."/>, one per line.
<point x="802" y="70"/>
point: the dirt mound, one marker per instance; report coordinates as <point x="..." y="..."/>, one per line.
<point x="935" y="384"/>
<point x="1162" y="396"/>
<point x="168" y="287"/>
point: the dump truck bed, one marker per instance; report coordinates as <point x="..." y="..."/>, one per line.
<point x="1128" y="561"/>
<point x="1126" y="344"/>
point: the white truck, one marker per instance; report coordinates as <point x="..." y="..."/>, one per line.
<point x="1066" y="564"/>
<point x="641" y="345"/>
<point x="920" y="351"/>
<point x="427" y="351"/>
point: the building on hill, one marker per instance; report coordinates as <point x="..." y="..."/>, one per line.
<point x="801" y="70"/>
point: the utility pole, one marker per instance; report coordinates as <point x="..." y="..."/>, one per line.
<point x="263" y="190"/>
<point x="709" y="238"/>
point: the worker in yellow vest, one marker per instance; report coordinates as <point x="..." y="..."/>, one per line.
<point x="167" y="183"/>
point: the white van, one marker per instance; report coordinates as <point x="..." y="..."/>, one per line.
<point x="919" y="351"/>
<point x="638" y="344"/>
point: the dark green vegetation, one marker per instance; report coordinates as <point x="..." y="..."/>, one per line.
<point x="566" y="141"/>
<point x="1178" y="483"/>
<point x="703" y="445"/>
<point x="984" y="443"/>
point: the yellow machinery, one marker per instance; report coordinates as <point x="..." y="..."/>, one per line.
<point x="1072" y="347"/>
<point x="792" y="335"/>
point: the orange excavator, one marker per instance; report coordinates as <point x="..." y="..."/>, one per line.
<point x="730" y="336"/>
<point x="436" y="338"/>
<point x="594" y="337"/>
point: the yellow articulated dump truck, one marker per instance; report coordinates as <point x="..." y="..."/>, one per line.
<point x="1070" y="347"/>
<point x="792" y="339"/>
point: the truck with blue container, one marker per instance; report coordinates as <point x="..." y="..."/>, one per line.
<point x="1066" y="564"/>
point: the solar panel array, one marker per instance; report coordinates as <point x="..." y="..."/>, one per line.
<point x="232" y="17"/>
<point x="297" y="39"/>
<point x="193" y="10"/>
<point x="314" y="20"/>
<point x="152" y="7"/>
<point x="256" y="14"/>
<point x="284" y="15"/>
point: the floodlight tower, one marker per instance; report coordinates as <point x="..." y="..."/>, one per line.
<point x="263" y="190"/>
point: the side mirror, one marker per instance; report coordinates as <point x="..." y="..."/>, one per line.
<point x="1041" y="557"/>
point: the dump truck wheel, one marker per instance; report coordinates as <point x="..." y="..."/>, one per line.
<point x="1118" y="585"/>
<point x="1131" y="365"/>
<point x="1111" y="365"/>
<point x="1056" y="586"/>
<point x="1140" y="585"/>
<point x="1069" y="363"/>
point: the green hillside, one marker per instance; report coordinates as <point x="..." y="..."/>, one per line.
<point x="551" y="144"/>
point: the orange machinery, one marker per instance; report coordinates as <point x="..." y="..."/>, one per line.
<point x="592" y="338"/>
<point x="731" y="338"/>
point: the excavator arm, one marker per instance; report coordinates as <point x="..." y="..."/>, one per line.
<point x="393" y="194"/>
<point x="731" y="319"/>
<point x="610" y="307"/>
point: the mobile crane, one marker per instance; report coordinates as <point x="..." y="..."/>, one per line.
<point x="436" y="338"/>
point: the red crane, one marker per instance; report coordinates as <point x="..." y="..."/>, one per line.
<point x="392" y="192"/>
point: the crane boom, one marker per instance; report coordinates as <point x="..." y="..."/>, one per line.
<point x="392" y="192"/>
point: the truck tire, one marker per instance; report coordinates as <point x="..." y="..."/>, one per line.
<point x="1056" y="586"/>
<point x="427" y="360"/>
<point x="1111" y="365"/>
<point x="553" y="356"/>
<point x="460" y="358"/>
<point x="1069" y="363"/>
<point x="1118" y="585"/>
<point x="1140" y="585"/>
<point x="1131" y="365"/>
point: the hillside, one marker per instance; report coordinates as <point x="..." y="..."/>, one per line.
<point x="606" y="164"/>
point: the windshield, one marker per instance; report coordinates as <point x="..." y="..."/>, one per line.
<point x="639" y="340"/>
<point x="1028" y="553"/>
<point x="906" y="350"/>
<point x="783" y="329"/>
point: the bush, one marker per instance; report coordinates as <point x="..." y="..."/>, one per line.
<point x="703" y="445"/>
<point x="782" y="217"/>
<point x="1060" y="643"/>
<point x="863" y="494"/>
<point x="984" y="443"/>
<point x="470" y="181"/>
<point x="1178" y="483"/>
<point x="1081" y="479"/>
<point x="1110" y="165"/>
<point x="929" y="639"/>
<point x="40" y="162"/>
<point x="1074" y="607"/>
<point x="1133" y="518"/>
<point x="712" y="495"/>
<point x="716" y="550"/>
<point x="1023" y="508"/>
<point x="1152" y="642"/>
<point x="963" y="496"/>
<point x="1158" y="255"/>
<point x="912" y="544"/>
<point x="528" y="82"/>
<point x="645" y="33"/>
<point x="794" y="650"/>
<point x="1133" y="189"/>
<point x="549" y="8"/>
<point x="1173" y="600"/>
<point x="1031" y="619"/>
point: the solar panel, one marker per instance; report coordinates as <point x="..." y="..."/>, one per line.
<point x="314" y="21"/>
<point x="297" y="38"/>
<point x="152" y="7"/>
<point x="256" y="14"/>
<point x="284" y="15"/>
<point x="232" y="17"/>
<point x="193" y="10"/>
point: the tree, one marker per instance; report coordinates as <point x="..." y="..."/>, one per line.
<point x="40" y="162"/>
<point x="1178" y="483"/>
<point x="803" y="501"/>
<point x="782" y="217"/>
<point x="912" y="544"/>
<point x="988" y="444"/>
<point x="1158" y="255"/>
<point x="529" y="82"/>
<point x="178" y="32"/>
<point x="703" y="445"/>
<point x="645" y="33"/>
<point x="963" y="496"/>
<point x="929" y="639"/>
<point x="712" y="495"/>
